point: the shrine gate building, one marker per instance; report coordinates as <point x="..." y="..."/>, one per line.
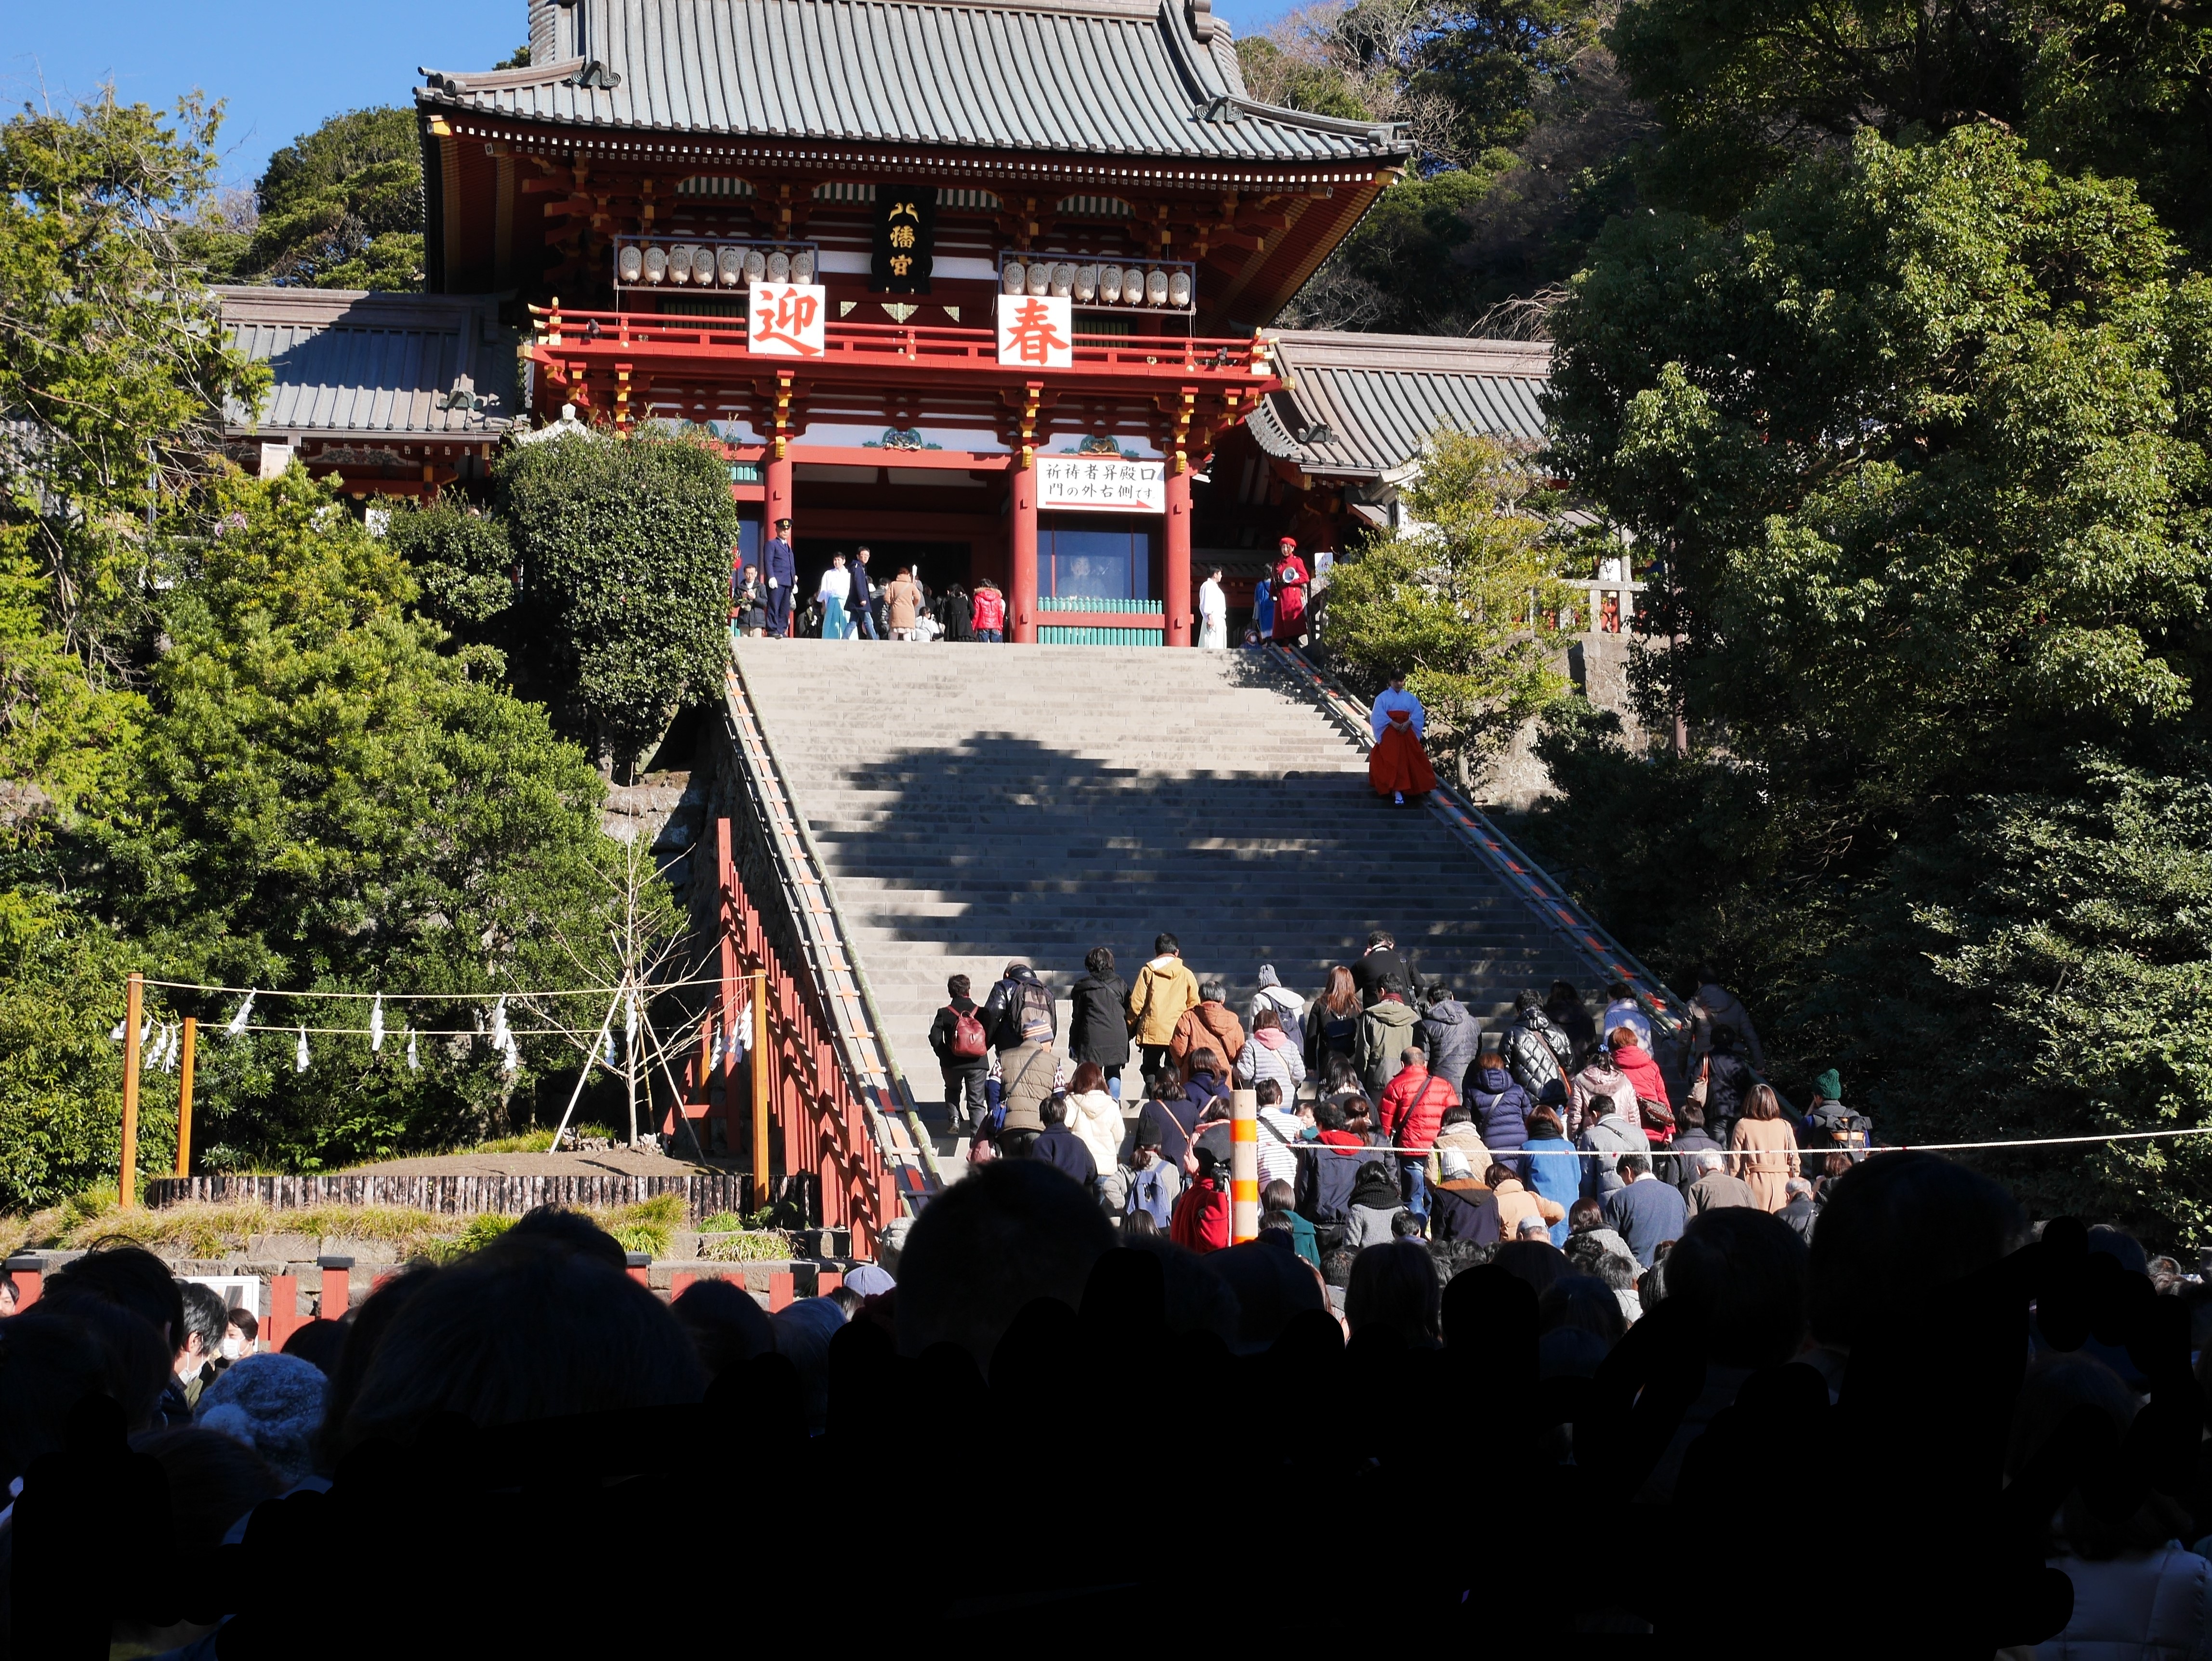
<point x="986" y="286"/>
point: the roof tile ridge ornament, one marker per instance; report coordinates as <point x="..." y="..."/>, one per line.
<point x="1200" y="15"/>
<point x="459" y="84"/>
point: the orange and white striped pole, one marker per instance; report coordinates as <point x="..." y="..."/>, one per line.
<point x="1243" y="1167"/>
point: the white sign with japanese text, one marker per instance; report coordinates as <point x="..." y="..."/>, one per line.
<point x="1101" y="484"/>
<point x="1036" y="330"/>
<point x="787" y="320"/>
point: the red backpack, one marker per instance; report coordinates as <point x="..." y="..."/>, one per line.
<point x="967" y="1044"/>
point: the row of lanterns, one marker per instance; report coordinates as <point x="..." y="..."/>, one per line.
<point x="1110" y="285"/>
<point x="688" y="265"/>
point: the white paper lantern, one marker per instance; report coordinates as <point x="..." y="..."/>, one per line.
<point x="779" y="267"/>
<point x="802" y="265"/>
<point x="656" y="265"/>
<point x="1040" y="278"/>
<point x="756" y="265"/>
<point x="731" y="263"/>
<point x="1086" y="283"/>
<point x="1156" y="287"/>
<point x="703" y="267"/>
<point x="1110" y="285"/>
<point x="1015" y="277"/>
<point x="1063" y="279"/>
<point x="1179" y="288"/>
<point x="680" y="263"/>
<point x="629" y="264"/>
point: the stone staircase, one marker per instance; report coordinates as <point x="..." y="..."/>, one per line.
<point x="977" y="803"/>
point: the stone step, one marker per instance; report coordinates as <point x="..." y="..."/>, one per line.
<point x="1036" y="801"/>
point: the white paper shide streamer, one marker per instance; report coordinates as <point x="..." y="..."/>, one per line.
<point x="511" y="1057"/>
<point x="413" y="1065"/>
<point x="376" y="1025"/>
<point x="499" y="1025"/>
<point x="300" y="1054"/>
<point x="238" y="1021"/>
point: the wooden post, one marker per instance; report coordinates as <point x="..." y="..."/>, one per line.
<point x="185" y="1097"/>
<point x="1022" y="580"/>
<point x="1175" y="557"/>
<point x="28" y="1272"/>
<point x="1243" y="1167"/>
<point x="134" y="1002"/>
<point x="283" y="1311"/>
<point x="761" y="1067"/>
<point x="781" y="1290"/>
<point x="338" y="1285"/>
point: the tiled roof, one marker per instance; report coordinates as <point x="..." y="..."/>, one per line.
<point x="1380" y="395"/>
<point x="353" y="363"/>
<point x="1129" y="77"/>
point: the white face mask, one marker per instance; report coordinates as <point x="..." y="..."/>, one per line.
<point x="233" y="1347"/>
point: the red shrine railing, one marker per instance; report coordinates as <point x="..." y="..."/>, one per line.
<point x="645" y="336"/>
<point x="817" y="1124"/>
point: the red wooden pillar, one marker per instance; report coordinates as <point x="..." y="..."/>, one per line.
<point x="726" y="1075"/>
<point x="1022" y="596"/>
<point x="781" y="1291"/>
<point x="338" y="1285"/>
<point x="29" y="1275"/>
<point x="679" y="1283"/>
<point x="1175" y="577"/>
<point x="283" y="1319"/>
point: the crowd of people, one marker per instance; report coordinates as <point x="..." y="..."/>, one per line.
<point x="1567" y="1259"/>
<point x="1385" y="1111"/>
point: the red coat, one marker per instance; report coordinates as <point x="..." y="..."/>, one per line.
<point x="1201" y="1218"/>
<point x="1412" y="1109"/>
<point x="1644" y="1073"/>
<point x="990" y="610"/>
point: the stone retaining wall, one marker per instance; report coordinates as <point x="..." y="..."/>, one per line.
<point x="704" y="1196"/>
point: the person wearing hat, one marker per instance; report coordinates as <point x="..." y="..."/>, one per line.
<point x="1829" y="1126"/>
<point x="1292" y="581"/>
<point x="782" y="569"/>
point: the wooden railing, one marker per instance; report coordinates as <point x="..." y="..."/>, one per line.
<point x="845" y="342"/>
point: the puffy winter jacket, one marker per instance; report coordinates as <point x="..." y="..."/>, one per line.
<point x="1501" y="1109"/>
<point x="1164" y="989"/>
<point x="1272" y="1055"/>
<point x="1385" y="1031"/>
<point x="1464" y="1213"/>
<point x="1643" y="1073"/>
<point x="1536" y="1051"/>
<point x="1601" y="1077"/>
<point x="1096" y="1117"/>
<point x="2138" y="1605"/>
<point x="1002" y="1010"/>
<point x="1453" y="1039"/>
<point x="1516" y="1202"/>
<point x="1413" y="1106"/>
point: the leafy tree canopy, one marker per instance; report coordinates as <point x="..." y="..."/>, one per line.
<point x="624" y="549"/>
<point x="114" y="365"/>
<point x="338" y="208"/>
<point x="1918" y="444"/>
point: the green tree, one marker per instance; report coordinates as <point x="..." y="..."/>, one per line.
<point x="341" y="207"/>
<point x="61" y="1079"/>
<point x="462" y="564"/>
<point x="1451" y="601"/>
<point x="114" y="367"/>
<point x="1919" y="445"/>
<point x="624" y="548"/>
<point x="324" y="799"/>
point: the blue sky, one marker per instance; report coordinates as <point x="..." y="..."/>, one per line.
<point x="281" y="65"/>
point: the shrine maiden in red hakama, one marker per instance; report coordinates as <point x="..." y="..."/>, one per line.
<point x="1292" y="581"/>
<point x="1398" y="766"/>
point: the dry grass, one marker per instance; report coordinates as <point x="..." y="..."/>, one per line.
<point x="202" y="1230"/>
<point x="760" y="1245"/>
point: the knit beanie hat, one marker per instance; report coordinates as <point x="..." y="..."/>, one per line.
<point x="272" y="1403"/>
<point x="1829" y="1086"/>
<point x="1453" y="1164"/>
<point x="1268" y="975"/>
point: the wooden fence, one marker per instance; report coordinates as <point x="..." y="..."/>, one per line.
<point x="453" y="1196"/>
